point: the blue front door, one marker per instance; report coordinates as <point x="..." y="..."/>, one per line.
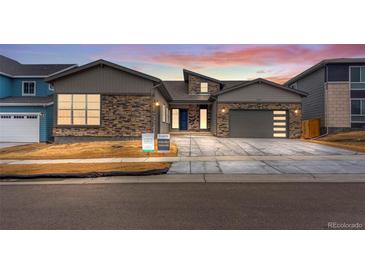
<point x="183" y="119"/>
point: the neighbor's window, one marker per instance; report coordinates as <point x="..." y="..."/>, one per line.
<point x="357" y="77"/>
<point x="51" y="87"/>
<point x="28" y="88"/>
<point x="203" y="87"/>
<point x="78" y="109"/>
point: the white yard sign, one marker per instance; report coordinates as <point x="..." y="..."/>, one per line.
<point x="148" y="142"/>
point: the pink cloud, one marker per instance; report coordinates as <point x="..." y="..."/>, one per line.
<point x="261" y="55"/>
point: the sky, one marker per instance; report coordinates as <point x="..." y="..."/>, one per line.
<point x="225" y="62"/>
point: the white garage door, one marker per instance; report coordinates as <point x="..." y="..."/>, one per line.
<point x="18" y="127"/>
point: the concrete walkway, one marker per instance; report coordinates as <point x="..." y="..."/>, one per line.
<point x="349" y="157"/>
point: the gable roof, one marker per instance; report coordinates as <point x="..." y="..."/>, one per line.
<point x="13" y="68"/>
<point x="321" y="65"/>
<point x="106" y="63"/>
<point x="179" y="92"/>
<point x="189" y="72"/>
<point x="260" y="81"/>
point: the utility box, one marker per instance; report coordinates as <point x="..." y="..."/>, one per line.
<point x="311" y="128"/>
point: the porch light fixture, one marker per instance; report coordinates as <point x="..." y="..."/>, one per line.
<point x="157" y="103"/>
<point x="296" y="111"/>
<point x="223" y="110"/>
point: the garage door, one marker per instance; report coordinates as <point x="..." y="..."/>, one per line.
<point x="258" y="123"/>
<point x="17" y="127"/>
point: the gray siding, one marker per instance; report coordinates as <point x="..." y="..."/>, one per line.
<point x="313" y="104"/>
<point x="104" y="80"/>
<point x="213" y="118"/>
<point x="164" y="127"/>
<point x="260" y="93"/>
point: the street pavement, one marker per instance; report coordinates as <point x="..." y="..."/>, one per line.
<point x="182" y="206"/>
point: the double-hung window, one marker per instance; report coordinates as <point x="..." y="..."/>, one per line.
<point x="28" y="88"/>
<point x="78" y="109"/>
<point x="357" y="77"/>
<point x="203" y="87"/>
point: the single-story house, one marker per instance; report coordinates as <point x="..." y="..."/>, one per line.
<point x="105" y="101"/>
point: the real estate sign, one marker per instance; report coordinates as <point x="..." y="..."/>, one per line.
<point x="148" y="142"/>
<point x="163" y="142"/>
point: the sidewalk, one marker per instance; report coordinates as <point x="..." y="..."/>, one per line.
<point x="198" y="179"/>
<point x="356" y="157"/>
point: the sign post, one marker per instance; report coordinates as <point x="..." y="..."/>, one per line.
<point x="163" y="142"/>
<point x="148" y="142"/>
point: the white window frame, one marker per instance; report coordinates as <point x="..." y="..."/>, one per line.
<point x="178" y="118"/>
<point x="362" y="106"/>
<point x="163" y="113"/>
<point x="201" y="87"/>
<point x="86" y="111"/>
<point x="50" y="87"/>
<point x="362" y="81"/>
<point x="35" y="88"/>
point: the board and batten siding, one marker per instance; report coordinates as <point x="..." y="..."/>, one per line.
<point x="103" y="80"/>
<point x="260" y="93"/>
<point x="313" y="105"/>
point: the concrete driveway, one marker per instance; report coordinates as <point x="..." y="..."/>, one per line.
<point x="276" y="156"/>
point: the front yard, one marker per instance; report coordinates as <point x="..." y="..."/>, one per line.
<point x="85" y="150"/>
<point x="353" y="140"/>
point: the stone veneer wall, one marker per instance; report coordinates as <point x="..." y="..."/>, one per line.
<point x="337" y="105"/>
<point x="194" y="85"/>
<point x="194" y="116"/>
<point x="294" y="119"/>
<point x="121" y="116"/>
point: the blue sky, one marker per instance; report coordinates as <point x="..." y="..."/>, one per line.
<point x="226" y="62"/>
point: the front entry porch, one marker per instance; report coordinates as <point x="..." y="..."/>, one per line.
<point x="193" y="118"/>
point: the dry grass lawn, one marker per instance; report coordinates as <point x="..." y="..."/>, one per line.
<point x="79" y="168"/>
<point x="353" y="140"/>
<point x="85" y="150"/>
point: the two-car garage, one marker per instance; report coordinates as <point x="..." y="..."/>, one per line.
<point x="19" y="127"/>
<point x="258" y="109"/>
<point x="257" y="123"/>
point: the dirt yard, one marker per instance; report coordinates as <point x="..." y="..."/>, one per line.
<point x="86" y="150"/>
<point x="353" y="140"/>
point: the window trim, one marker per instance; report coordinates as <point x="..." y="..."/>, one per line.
<point x="201" y="91"/>
<point x="362" y="106"/>
<point x="206" y="119"/>
<point x="72" y="110"/>
<point x="361" y="80"/>
<point x="35" y="88"/>
<point x="178" y="118"/>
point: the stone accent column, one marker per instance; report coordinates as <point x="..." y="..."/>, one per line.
<point x="337" y="105"/>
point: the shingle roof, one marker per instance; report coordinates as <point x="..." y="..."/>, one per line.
<point x="322" y="64"/>
<point x="14" y="68"/>
<point x="260" y="80"/>
<point x="26" y="100"/>
<point x="179" y="92"/>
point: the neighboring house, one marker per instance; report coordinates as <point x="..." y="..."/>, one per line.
<point x="26" y="101"/>
<point x="102" y="100"/>
<point x="336" y="93"/>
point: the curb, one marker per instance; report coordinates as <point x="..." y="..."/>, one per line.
<point x="87" y="175"/>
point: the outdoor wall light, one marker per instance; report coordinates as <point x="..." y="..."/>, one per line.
<point x="157" y="103"/>
<point x="296" y="111"/>
<point x="223" y="110"/>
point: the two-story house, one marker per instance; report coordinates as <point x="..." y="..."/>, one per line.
<point x="105" y="101"/>
<point x="26" y="101"/>
<point x="336" y="93"/>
